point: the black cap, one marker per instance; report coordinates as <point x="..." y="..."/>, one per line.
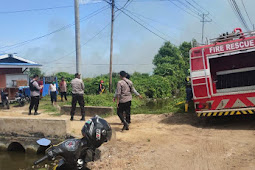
<point x="123" y="74"/>
<point x="77" y="74"/>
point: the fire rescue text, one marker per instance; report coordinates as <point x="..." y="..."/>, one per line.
<point x="232" y="46"/>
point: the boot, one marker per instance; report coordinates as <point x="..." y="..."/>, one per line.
<point x="82" y="118"/>
<point x="71" y="118"/>
<point x="36" y="113"/>
<point x="126" y="126"/>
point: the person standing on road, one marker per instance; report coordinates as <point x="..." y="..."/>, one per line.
<point x="77" y="95"/>
<point x="63" y="88"/>
<point x="4" y="98"/>
<point x="53" y="93"/>
<point x="35" y="94"/>
<point x="124" y="96"/>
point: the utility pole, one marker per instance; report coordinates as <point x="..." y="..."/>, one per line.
<point x="203" y="24"/>
<point x="77" y="36"/>
<point x="111" y="48"/>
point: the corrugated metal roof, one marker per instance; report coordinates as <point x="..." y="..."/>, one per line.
<point x="11" y="60"/>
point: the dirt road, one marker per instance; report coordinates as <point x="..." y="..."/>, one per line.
<point x="179" y="141"/>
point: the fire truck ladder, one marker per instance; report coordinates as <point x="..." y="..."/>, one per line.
<point x="204" y="68"/>
<point x="205" y="76"/>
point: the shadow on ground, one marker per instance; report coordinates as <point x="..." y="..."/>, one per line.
<point x="241" y="122"/>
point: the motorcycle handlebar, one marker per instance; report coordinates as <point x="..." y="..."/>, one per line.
<point x="41" y="160"/>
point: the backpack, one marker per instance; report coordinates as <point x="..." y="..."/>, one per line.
<point x="31" y="86"/>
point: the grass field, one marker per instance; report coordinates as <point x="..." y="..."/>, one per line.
<point x="145" y="105"/>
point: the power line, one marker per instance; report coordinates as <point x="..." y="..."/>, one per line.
<point x="184" y="9"/>
<point x="135" y="15"/>
<point x="161" y="23"/>
<point x="200" y="6"/>
<point x="36" y="9"/>
<point x="94" y="36"/>
<point x="142" y="25"/>
<point x="194" y="6"/>
<point x="87" y="40"/>
<point x="238" y="13"/>
<point x="247" y="14"/>
<point x="127" y="3"/>
<point x="194" y="11"/>
<point x="55" y="31"/>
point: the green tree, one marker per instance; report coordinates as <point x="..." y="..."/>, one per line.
<point x="184" y="49"/>
<point x="170" y="63"/>
<point x="32" y="71"/>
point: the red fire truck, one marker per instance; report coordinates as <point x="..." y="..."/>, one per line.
<point x="223" y="75"/>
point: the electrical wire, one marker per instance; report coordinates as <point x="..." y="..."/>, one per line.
<point x="247" y="13"/>
<point x="93" y="37"/>
<point x="37" y="9"/>
<point x="194" y="6"/>
<point x="142" y="25"/>
<point x="184" y="9"/>
<point x="86" y="41"/>
<point x="135" y="15"/>
<point x="55" y="31"/>
<point x="161" y="23"/>
<point x="238" y="13"/>
<point x="128" y="1"/>
<point x="194" y="11"/>
<point x="200" y="6"/>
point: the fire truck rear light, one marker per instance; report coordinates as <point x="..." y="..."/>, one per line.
<point x="203" y="106"/>
<point x="200" y="106"/>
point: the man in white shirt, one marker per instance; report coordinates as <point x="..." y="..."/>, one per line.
<point x="53" y="92"/>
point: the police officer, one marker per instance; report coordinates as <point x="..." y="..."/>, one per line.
<point x="124" y="92"/>
<point x="35" y="94"/>
<point x="77" y="96"/>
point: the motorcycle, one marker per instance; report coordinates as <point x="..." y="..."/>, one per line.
<point x="21" y="98"/>
<point x="74" y="154"/>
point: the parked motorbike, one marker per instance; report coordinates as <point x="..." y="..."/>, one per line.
<point x="76" y="153"/>
<point x="21" y="98"/>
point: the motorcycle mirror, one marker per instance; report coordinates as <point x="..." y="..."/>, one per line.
<point x="43" y="142"/>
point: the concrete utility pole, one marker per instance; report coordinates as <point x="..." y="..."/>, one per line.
<point x="77" y="36"/>
<point x="111" y="48"/>
<point x="203" y="24"/>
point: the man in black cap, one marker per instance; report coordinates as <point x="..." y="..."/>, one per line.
<point x="77" y="95"/>
<point x="124" y="92"/>
<point x="35" y="94"/>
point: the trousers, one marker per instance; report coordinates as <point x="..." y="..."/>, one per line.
<point x="63" y="94"/>
<point x="53" y="96"/>
<point x="124" y="107"/>
<point x="34" y="103"/>
<point x="78" y="98"/>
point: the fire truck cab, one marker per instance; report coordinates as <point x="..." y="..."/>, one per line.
<point x="223" y="75"/>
